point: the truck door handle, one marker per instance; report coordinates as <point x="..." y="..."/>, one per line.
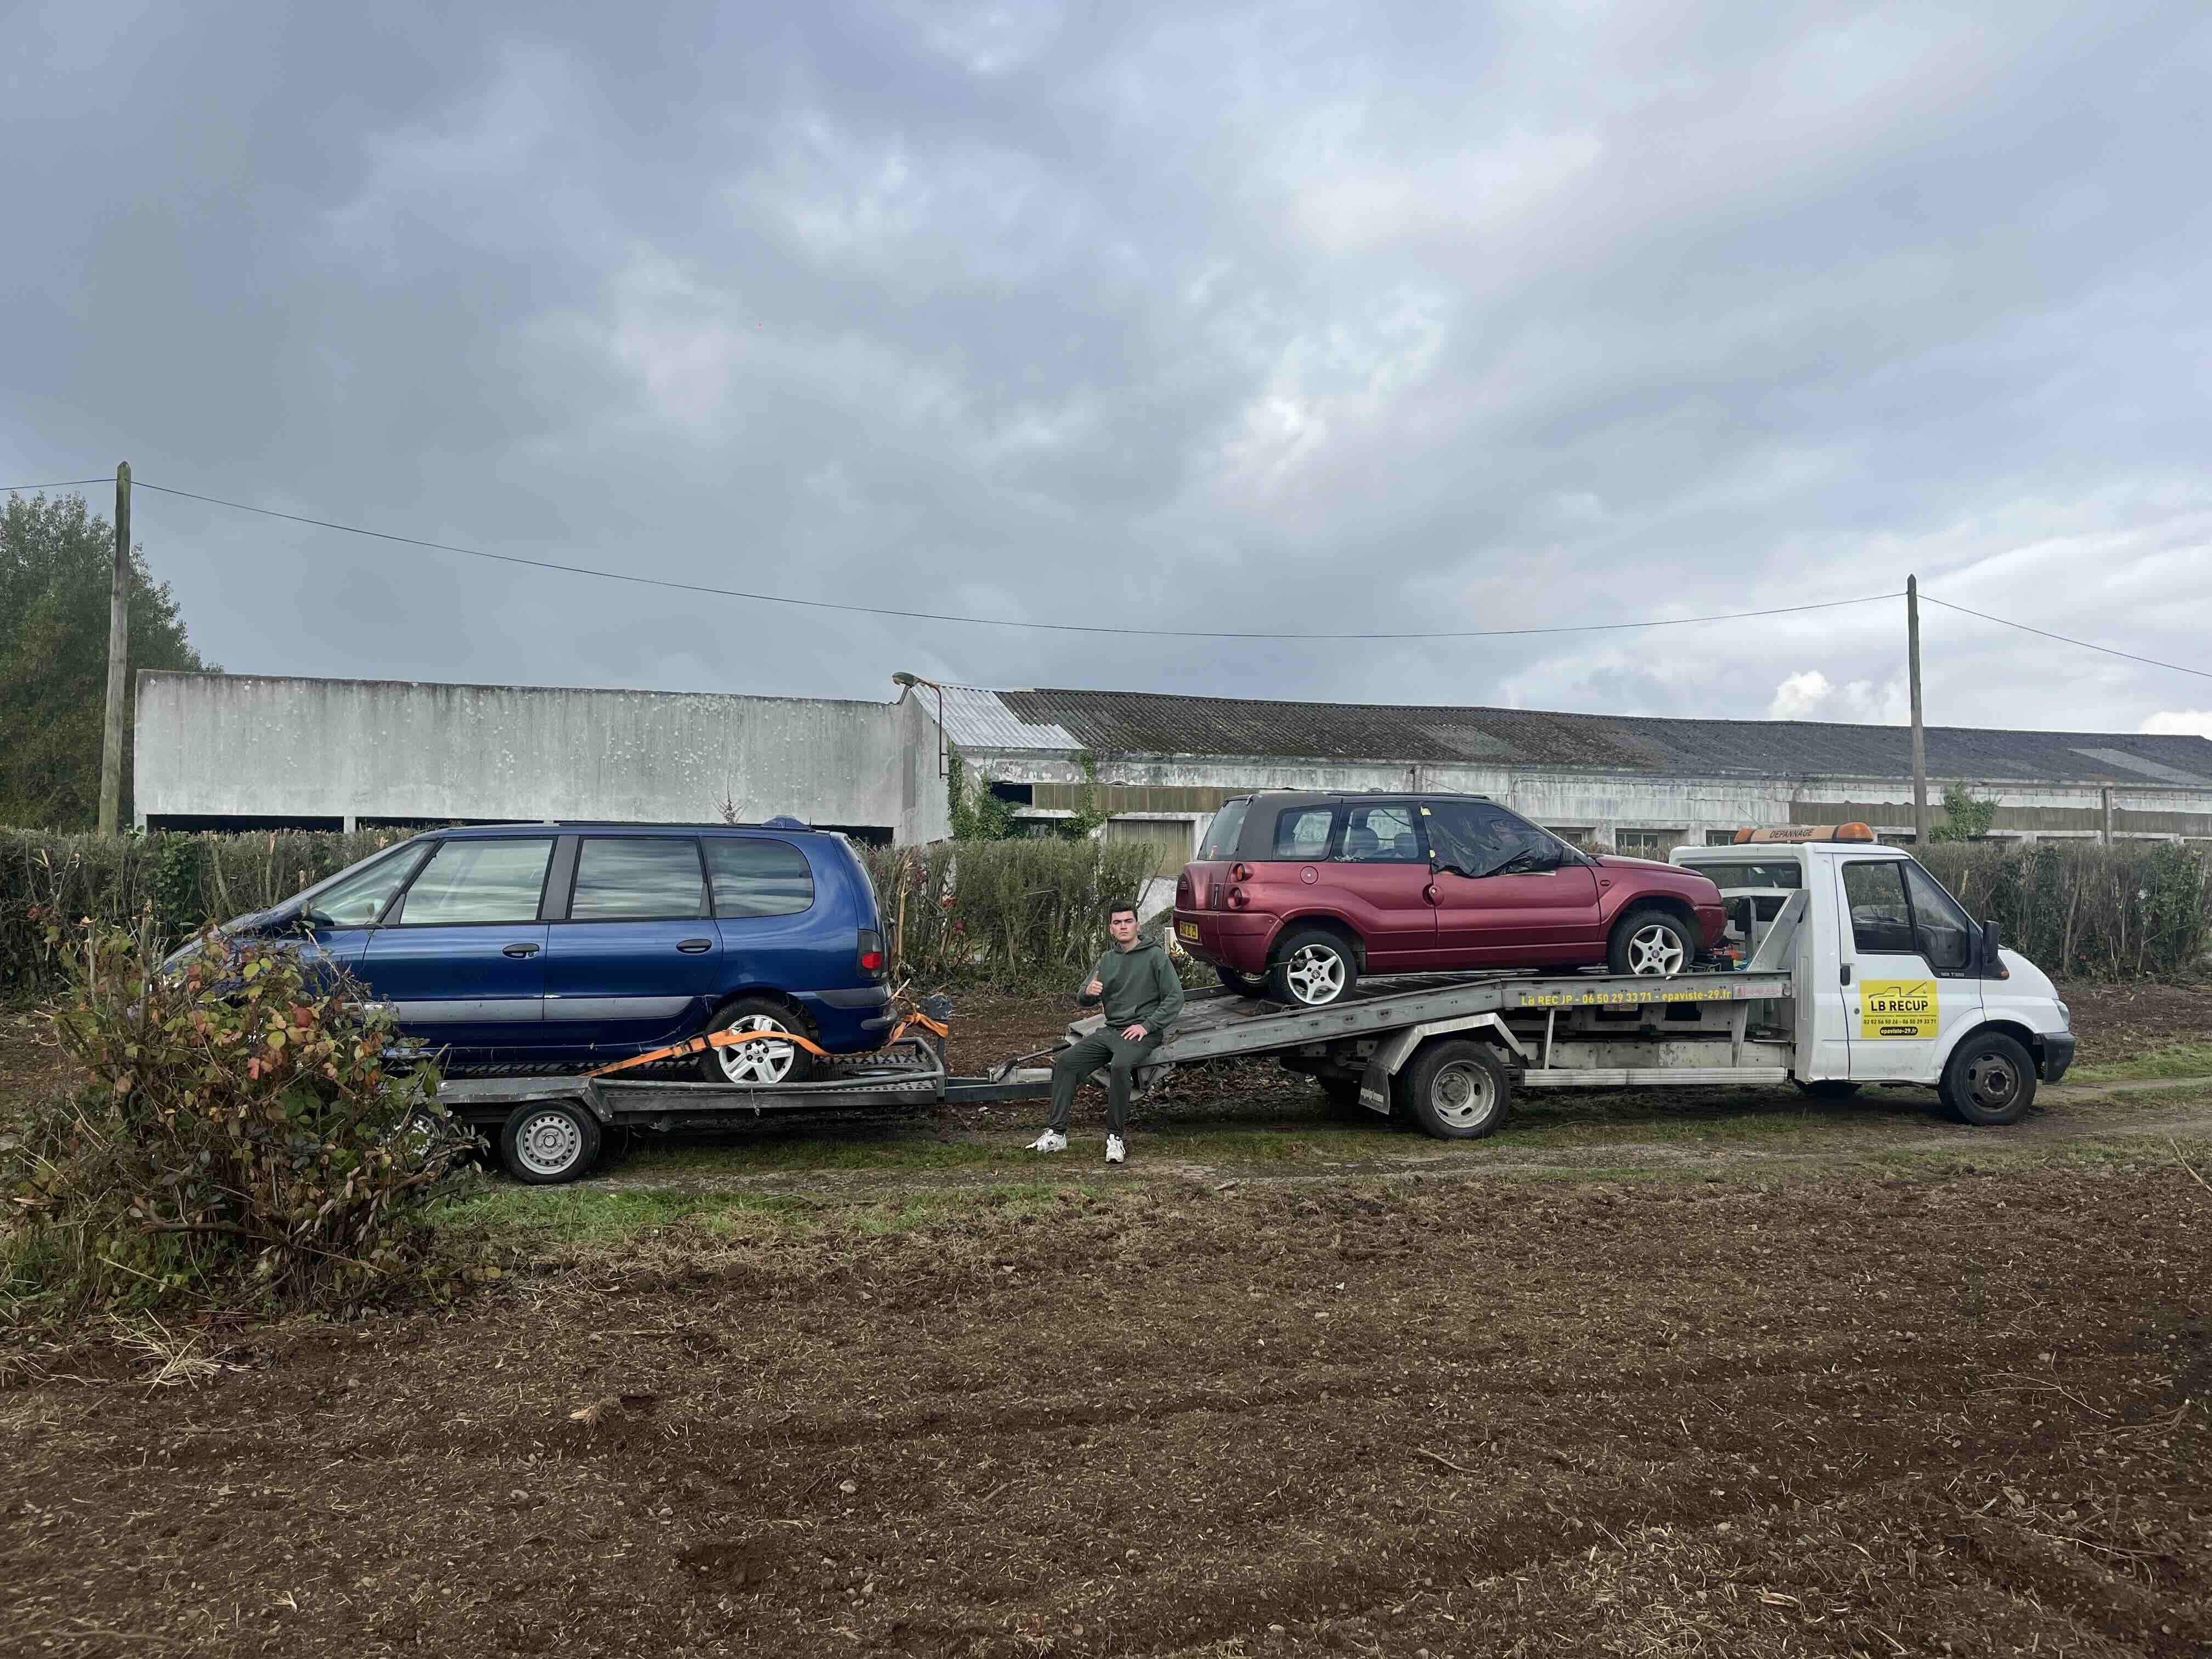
<point x="1846" y="971"/>
<point x="518" y="951"/>
<point x="693" y="946"/>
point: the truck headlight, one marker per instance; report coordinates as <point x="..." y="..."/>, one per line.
<point x="2065" y="1016"/>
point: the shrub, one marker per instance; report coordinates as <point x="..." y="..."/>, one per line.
<point x="2140" y="909"/>
<point x="1003" y="911"/>
<point x="239" y="1140"/>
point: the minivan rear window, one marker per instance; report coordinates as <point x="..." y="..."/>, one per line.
<point x="1222" y="834"/>
<point x="758" y="878"/>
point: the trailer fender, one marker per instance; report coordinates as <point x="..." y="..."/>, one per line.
<point x="1394" y="1050"/>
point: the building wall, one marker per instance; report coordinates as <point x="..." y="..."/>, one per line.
<point x="255" y="747"/>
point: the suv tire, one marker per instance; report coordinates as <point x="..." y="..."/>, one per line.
<point x="1651" y="944"/>
<point x="1242" y="984"/>
<point x="777" y="1062"/>
<point x="1312" y="968"/>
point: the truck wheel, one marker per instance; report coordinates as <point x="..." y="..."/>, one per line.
<point x="1455" y="1090"/>
<point x="754" y="1065"/>
<point x="1990" y="1080"/>
<point x="545" y="1143"/>
<point x="1313" y="967"/>
<point x="1650" y="944"/>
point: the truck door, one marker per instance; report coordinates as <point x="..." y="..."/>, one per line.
<point x="1908" y="986"/>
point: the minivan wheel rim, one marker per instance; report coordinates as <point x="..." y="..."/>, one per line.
<point x="550" y="1144"/>
<point x="1655" y="951"/>
<point x="1315" y="974"/>
<point x="1992" y="1082"/>
<point x="1463" y="1095"/>
<point x="757" y="1062"/>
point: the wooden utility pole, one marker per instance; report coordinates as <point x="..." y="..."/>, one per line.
<point x="118" y="657"/>
<point x="1921" y="829"/>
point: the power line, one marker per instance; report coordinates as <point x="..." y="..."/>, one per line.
<point x="2065" y="638"/>
<point x="11" y="489"/>
<point x="993" y="622"/>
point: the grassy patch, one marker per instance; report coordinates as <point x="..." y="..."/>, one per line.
<point x="2183" y="1060"/>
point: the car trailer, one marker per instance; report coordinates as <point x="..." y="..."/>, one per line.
<point x="1446" y="1050"/>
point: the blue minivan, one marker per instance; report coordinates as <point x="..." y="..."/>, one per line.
<point x="585" y="943"/>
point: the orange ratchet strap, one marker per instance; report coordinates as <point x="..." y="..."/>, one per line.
<point x="699" y="1045"/>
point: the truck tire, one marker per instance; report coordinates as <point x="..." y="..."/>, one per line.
<point x="1244" y="984"/>
<point x="754" y="1065"/>
<point x="1455" y="1090"/>
<point x="1990" y="1080"/>
<point x="1312" y="968"/>
<point x="1651" y="944"/>
<point x="549" y="1142"/>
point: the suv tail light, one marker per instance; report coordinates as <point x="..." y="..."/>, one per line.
<point x="1237" y="899"/>
<point x="871" y="953"/>
<point x="1240" y="872"/>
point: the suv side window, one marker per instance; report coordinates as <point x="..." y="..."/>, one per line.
<point x="1382" y="833"/>
<point x="1302" y="834"/>
<point x="1947" y="937"/>
<point x="475" y="880"/>
<point x="638" y="879"/>
<point x="1479" y="838"/>
<point x="758" y="878"/>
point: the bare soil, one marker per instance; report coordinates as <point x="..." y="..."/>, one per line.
<point x="1873" y="1417"/>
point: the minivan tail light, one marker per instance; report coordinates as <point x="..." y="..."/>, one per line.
<point x="872" y="953"/>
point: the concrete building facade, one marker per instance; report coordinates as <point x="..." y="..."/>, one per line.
<point x="243" y="751"/>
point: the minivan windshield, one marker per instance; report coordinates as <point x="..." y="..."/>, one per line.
<point x="1222" y="834"/>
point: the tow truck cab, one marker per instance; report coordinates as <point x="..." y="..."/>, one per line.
<point x="1893" y="982"/>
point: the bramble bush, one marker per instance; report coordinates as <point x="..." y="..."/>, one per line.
<point x="1006" y="911"/>
<point x="239" y="1140"/>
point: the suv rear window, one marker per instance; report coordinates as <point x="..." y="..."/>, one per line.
<point x="1222" y="834"/>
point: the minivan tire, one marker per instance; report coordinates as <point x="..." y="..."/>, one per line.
<point x="1455" y="1090"/>
<point x="718" y="1065"/>
<point x="549" y="1142"/>
<point x="1642" y="939"/>
<point x="1990" y="1080"/>
<point x="1312" y="968"/>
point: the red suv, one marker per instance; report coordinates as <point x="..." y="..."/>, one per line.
<point x="1301" y="894"/>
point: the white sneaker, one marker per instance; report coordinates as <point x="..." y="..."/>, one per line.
<point x="1048" y="1142"/>
<point x="1114" y="1151"/>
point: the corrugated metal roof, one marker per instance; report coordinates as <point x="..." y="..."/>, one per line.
<point x="1146" y="723"/>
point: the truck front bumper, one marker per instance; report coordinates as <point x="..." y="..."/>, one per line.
<point x="2057" y="1053"/>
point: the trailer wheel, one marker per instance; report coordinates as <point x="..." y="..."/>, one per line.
<point x="546" y="1143"/>
<point x="1455" y="1090"/>
<point x="1989" y="1081"/>
<point x="1653" y="944"/>
<point x="1313" y="967"/>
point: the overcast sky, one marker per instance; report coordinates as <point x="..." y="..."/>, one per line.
<point x="1305" y="318"/>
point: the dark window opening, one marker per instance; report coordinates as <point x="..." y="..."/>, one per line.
<point x="236" y="823"/>
<point x="868" y="834"/>
<point x="1022" y="794"/>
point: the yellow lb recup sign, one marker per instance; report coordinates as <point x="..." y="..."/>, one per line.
<point x="1897" y="1008"/>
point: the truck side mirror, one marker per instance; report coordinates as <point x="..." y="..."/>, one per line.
<point x="1990" y="964"/>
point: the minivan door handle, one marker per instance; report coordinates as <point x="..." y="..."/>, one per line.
<point x="520" y="951"/>
<point x="694" y="945"/>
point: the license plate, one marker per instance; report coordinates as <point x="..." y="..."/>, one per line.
<point x="1187" y="930"/>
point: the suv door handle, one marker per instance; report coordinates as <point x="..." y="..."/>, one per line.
<point x="520" y="951"/>
<point x="1429" y="893"/>
<point x="694" y="945"/>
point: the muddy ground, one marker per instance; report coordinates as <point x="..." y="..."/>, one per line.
<point x="1163" y="1415"/>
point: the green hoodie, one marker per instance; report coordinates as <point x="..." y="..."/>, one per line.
<point x="1142" y="987"/>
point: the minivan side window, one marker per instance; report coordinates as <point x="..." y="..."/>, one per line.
<point x="478" y="881"/>
<point x="360" y="899"/>
<point x="1301" y="833"/>
<point x="638" y="879"/>
<point x="1224" y="833"/>
<point x="1381" y="834"/>
<point x="758" y="878"/>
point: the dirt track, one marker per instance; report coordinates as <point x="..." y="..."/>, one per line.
<point x="1828" y="1418"/>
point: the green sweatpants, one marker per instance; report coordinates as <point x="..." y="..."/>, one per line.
<point x="1104" y="1047"/>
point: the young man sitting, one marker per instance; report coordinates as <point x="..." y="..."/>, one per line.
<point x="1142" y="995"/>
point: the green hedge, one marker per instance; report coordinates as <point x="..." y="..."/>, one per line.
<point x="1017" y="909"/>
